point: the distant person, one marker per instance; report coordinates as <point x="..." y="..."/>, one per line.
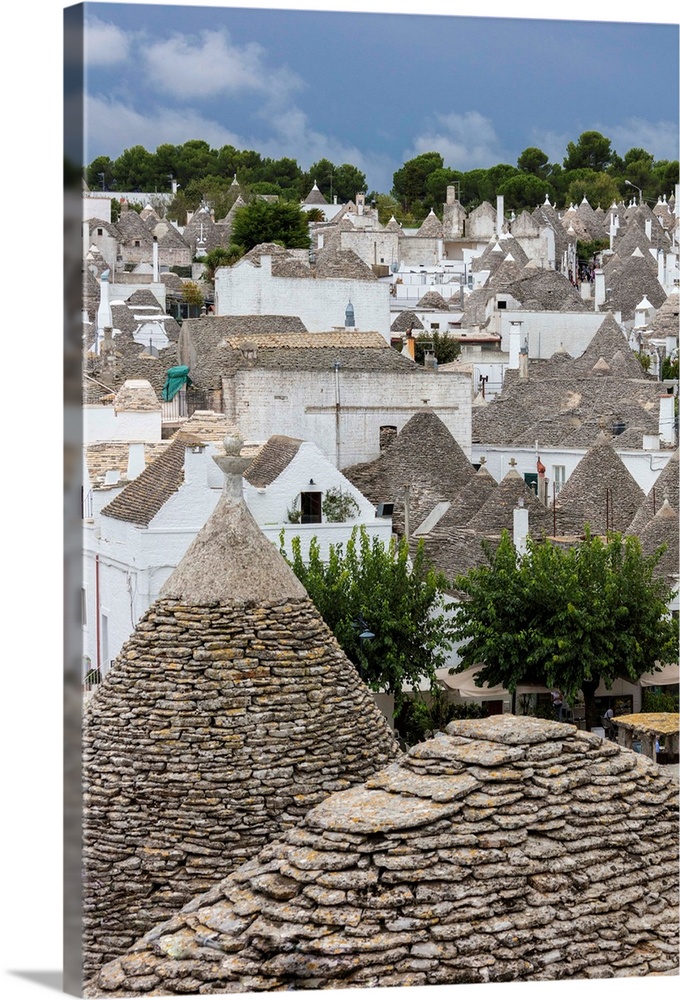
<point x="609" y="714"/>
<point x="557" y="703"/>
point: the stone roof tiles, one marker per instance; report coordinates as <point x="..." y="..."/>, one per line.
<point x="667" y="486"/>
<point x="600" y="493"/>
<point x="507" y="849"/>
<point x="342" y="264"/>
<point x="275" y="456"/>
<point x="431" y="227"/>
<point x="662" y="531"/>
<point x="424" y="455"/>
<point x="433" y="300"/>
<point x="143" y="498"/>
<point x="229" y="713"/>
<point x="406" y="320"/>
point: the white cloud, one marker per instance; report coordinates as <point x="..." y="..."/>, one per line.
<point x="213" y="65"/>
<point x="658" y="138"/>
<point x="553" y="144"/>
<point x="111" y="127"/>
<point x="466" y="141"/>
<point x="104" y="43"/>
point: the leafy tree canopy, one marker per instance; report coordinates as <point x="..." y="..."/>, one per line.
<point x="525" y="191"/>
<point x="568" y="618"/>
<point x="534" y="161"/>
<point x="592" y="150"/>
<point x="221" y="257"/>
<point x="598" y="187"/>
<point x="409" y="183"/>
<point x="268" y="222"/>
<point x="444" y="348"/>
<point x="402" y="603"/>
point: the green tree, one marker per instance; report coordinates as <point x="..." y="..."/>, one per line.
<point x="409" y="184"/>
<point x="525" y="191"/>
<point x="268" y="222"/>
<point x="134" y="170"/>
<point x="595" y="185"/>
<point x="401" y="602"/>
<point x="565" y="618"/>
<point x="592" y="150"/>
<point x="443" y="347"/>
<point x="101" y="169"/>
<point x="221" y="257"/>
<point x="436" y="185"/>
<point x="192" y="294"/>
<point x="534" y="161"/>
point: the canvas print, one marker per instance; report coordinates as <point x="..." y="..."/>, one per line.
<point x="372" y="489"/>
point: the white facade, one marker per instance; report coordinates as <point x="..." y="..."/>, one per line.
<point x="546" y="331"/>
<point x="261" y="402"/>
<point x="248" y="290"/>
<point x="126" y="565"/>
<point x="644" y="466"/>
<point x="106" y="423"/>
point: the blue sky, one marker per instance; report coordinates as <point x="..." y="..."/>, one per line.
<point x="375" y="89"/>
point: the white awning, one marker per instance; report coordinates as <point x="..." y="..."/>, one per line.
<point x="669" y="674"/>
<point x="464" y="684"/>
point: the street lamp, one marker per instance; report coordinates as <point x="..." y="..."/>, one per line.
<point x="639" y="190"/>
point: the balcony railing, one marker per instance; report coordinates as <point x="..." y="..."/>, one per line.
<point x="181" y="406"/>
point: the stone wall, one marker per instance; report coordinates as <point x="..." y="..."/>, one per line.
<point x="509" y="849"/>
<point x="217" y="728"/>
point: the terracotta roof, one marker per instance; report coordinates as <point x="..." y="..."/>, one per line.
<point x="506" y="849"/>
<point x="272" y="459"/>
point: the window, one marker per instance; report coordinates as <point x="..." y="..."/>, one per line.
<point x="434" y="326"/>
<point x="310" y="507"/>
<point x="503" y="304"/>
<point x="137" y="243"/>
<point x="100" y="232"/>
<point x="559" y="477"/>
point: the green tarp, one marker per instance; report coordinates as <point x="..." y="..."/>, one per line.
<point x="175" y="379"/>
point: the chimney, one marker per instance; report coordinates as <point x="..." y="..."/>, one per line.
<point x="524" y="361"/>
<point x="195" y="465"/>
<point x="499" y="214"/>
<point x="409" y="349"/>
<point x="154" y="260"/>
<point x="667" y="419"/>
<point x="648" y="228"/>
<point x="451" y="198"/>
<point x="600" y="291"/>
<point x="360" y="204"/>
<point x="661" y="267"/>
<point x="520" y="527"/>
<point x="136" y="463"/>
<point x="514" y="347"/>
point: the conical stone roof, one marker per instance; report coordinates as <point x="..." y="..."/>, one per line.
<point x="424" y="455"/>
<point x="600" y="492"/>
<point x="506" y="849"/>
<point x="230" y="711"/>
<point x="662" y="530"/>
<point x="666" y="487"/>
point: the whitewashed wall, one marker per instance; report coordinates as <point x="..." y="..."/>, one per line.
<point x="245" y="290"/>
<point x="103" y="423"/>
<point x="545" y="331"/>
<point x="644" y="466"/>
<point x="304" y="404"/>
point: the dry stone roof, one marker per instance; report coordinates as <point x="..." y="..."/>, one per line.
<point x="496" y="514"/>
<point x="571" y="402"/>
<point x="142" y="499"/>
<point x="342" y="264"/>
<point x="507" y="849"/>
<point x="637" y="276"/>
<point x="431" y="227"/>
<point x="137" y="394"/>
<point x="426" y="456"/>
<point x="666" y="487"/>
<point x="662" y="530"/>
<point x="433" y="300"/>
<point x="666" y="320"/>
<point x="113" y="456"/>
<point x="275" y="456"/>
<point x="229" y="713"/>
<point x="315" y="197"/>
<point x="600" y="492"/>
<point x="406" y="320"/>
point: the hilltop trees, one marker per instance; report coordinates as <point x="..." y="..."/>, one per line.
<point x="565" y="618"/>
<point x="420" y="184"/>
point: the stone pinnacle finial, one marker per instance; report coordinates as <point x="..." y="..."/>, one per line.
<point x="232" y="465"/>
